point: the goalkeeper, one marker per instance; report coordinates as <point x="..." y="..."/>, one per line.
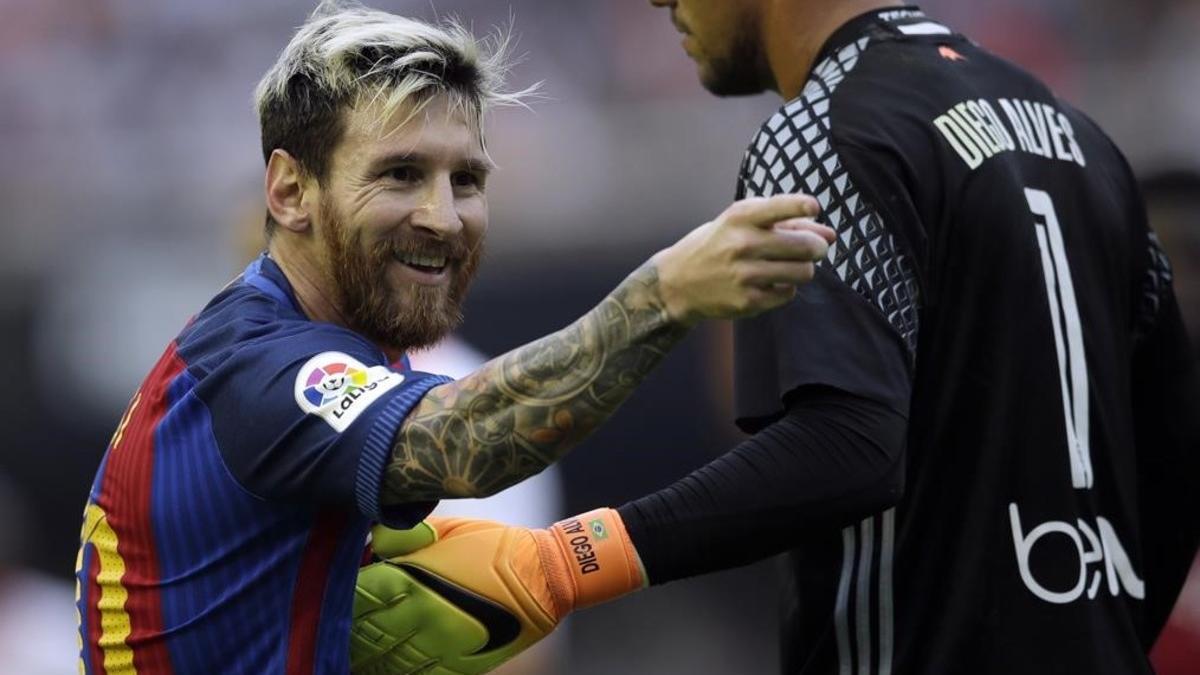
<point x="976" y="429"/>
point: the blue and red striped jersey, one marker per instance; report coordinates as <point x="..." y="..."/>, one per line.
<point x="226" y="524"/>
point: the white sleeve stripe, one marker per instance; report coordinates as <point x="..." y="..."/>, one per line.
<point x="862" y="544"/>
<point x="886" y="609"/>
<point x="862" y="593"/>
<point x="926" y="28"/>
<point x="840" y="613"/>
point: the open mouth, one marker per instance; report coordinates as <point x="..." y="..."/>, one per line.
<point x="423" y="262"/>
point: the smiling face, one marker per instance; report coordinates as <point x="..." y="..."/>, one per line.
<point x="722" y="37"/>
<point x="402" y="218"/>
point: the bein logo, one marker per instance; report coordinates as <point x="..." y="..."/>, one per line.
<point x="1102" y="558"/>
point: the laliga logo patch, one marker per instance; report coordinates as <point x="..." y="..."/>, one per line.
<point x="327" y="383"/>
<point x="337" y="387"/>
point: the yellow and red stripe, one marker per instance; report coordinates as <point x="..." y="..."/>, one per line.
<point x="124" y="598"/>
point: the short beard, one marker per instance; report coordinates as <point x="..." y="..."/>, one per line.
<point x="421" y="316"/>
<point x="744" y="71"/>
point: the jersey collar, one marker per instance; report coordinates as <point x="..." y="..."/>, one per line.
<point x="265" y="275"/>
<point x="889" y="18"/>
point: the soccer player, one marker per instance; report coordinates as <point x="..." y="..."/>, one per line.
<point x="226" y="523"/>
<point x="976" y="431"/>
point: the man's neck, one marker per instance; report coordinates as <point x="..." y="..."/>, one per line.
<point x="311" y="289"/>
<point x="308" y="283"/>
<point x="794" y="33"/>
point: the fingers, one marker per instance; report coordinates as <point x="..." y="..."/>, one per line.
<point x="806" y="225"/>
<point x="804" y="241"/>
<point x="763" y="298"/>
<point x="389" y="543"/>
<point x="747" y="260"/>
<point x="767" y="274"/>
<point x="402" y="625"/>
<point x="786" y="225"/>
<point x="764" y="212"/>
<point x="378" y="587"/>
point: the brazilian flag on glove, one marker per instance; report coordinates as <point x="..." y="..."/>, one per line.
<point x="458" y="596"/>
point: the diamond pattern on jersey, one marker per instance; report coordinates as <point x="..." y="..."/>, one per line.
<point x="1154" y="285"/>
<point x="793" y="152"/>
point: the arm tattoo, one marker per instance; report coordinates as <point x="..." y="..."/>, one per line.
<point x="522" y="411"/>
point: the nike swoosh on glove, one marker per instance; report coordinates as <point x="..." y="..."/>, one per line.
<point x="459" y="596"/>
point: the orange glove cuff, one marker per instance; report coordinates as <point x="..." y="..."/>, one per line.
<point x="589" y="559"/>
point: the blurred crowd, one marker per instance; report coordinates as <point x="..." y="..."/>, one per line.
<point x="130" y="179"/>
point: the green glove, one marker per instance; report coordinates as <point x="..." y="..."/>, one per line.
<point x="400" y="625"/>
<point x="457" y="596"/>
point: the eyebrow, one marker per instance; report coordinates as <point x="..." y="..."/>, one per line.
<point x="472" y="163"/>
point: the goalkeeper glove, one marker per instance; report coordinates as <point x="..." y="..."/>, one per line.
<point x="459" y="596"/>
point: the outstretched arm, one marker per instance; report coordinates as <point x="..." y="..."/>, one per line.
<point x="522" y="411"/>
<point x="832" y="458"/>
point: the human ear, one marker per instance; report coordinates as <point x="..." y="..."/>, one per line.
<point x="285" y="188"/>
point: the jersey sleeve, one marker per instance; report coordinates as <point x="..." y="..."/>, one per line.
<point x="1166" y="406"/>
<point x="829" y="461"/>
<point x="310" y="417"/>
<point x="855" y="326"/>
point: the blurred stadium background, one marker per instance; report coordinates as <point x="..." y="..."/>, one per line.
<point x="130" y="178"/>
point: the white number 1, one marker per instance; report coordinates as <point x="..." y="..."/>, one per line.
<point x="1068" y="337"/>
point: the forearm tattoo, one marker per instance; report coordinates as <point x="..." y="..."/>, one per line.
<point x="522" y="411"/>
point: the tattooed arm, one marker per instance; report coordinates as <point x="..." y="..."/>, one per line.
<point x="522" y="411"/>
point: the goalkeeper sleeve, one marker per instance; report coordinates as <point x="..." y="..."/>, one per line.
<point x="460" y="596"/>
<point x="832" y="459"/>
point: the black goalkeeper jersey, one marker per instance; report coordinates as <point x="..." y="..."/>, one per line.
<point x="993" y="280"/>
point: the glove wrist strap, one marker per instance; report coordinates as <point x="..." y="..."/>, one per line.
<point x="596" y="559"/>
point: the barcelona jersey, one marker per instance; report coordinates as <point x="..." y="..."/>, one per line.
<point x="224" y="529"/>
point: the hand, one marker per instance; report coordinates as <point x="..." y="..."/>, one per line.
<point x="459" y="596"/>
<point x="748" y="260"/>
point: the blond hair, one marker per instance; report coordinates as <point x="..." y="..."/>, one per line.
<point x="346" y="56"/>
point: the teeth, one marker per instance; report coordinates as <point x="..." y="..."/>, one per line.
<point x="423" y="260"/>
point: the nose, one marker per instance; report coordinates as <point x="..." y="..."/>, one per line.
<point x="437" y="213"/>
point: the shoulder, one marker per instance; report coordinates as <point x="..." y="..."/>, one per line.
<point x="260" y="367"/>
<point x="248" y="327"/>
<point x="860" y="97"/>
<point x="802" y="148"/>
